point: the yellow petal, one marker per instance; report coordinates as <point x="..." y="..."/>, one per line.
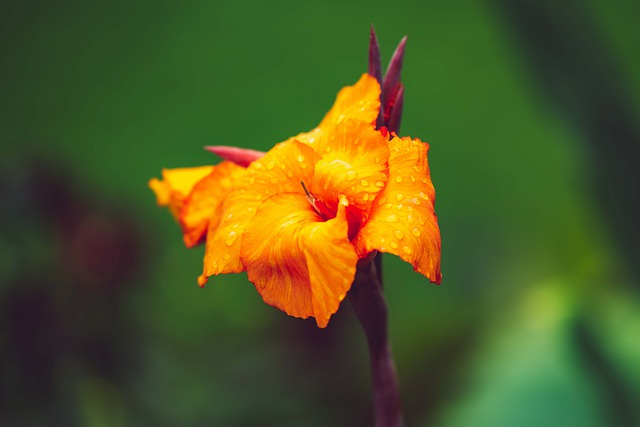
<point x="176" y="186"/>
<point x="202" y="207"/>
<point x="354" y="165"/>
<point x="360" y="101"/>
<point x="403" y="221"/>
<point x="280" y="170"/>
<point x="297" y="262"/>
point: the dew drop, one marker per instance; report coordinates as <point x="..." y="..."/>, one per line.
<point x="416" y="232"/>
<point x="382" y="201"/>
<point x="289" y="174"/>
<point x="383" y="240"/>
<point x="410" y="219"/>
<point x="398" y="234"/>
<point x="413" y="179"/>
<point x="399" y="207"/>
<point x="300" y="158"/>
<point x="271" y="165"/>
<point x="351" y="175"/>
<point x="389" y="205"/>
<point x="394" y="245"/>
<point x="328" y="149"/>
<point x="423" y="196"/>
<point x="378" y="159"/>
<point x="416" y="201"/>
<point x="407" y="250"/>
<point x="392" y="218"/>
<point x="399" y="196"/>
<point x="365" y="197"/>
<point x="420" y="221"/>
<point x="231" y="238"/>
<point x="227" y="256"/>
<point x="257" y="165"/>
<point x="379" y="184"/>
<point x="398" y="179"/>
<point x="364" y="183"/>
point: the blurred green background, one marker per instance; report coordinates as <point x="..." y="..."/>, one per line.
<point x="531" y="110"/>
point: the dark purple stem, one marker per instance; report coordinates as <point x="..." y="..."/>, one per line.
<point x="368" y="302"/>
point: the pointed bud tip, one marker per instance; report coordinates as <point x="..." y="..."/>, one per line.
<point x="240" y="156"/>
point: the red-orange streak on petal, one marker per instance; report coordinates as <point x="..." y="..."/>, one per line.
<point x="202" y="207"/>
<point x="175" y="186"/>
<point x="403" y="221"/>
<point x="354" y="165"/>
<point x="297" y="262"/>
<point x="280" y="170"/>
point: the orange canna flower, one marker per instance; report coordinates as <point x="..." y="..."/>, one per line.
<point x="194" y="195"/>
<point x="298" y="219"/>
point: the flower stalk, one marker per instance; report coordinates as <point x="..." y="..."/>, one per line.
<point x="366" y="293"/>
<point x="368" y="302"/>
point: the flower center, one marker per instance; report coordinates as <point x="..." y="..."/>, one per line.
<point x="321" y="208"/>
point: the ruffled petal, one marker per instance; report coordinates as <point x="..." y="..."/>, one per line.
<point x="280" y="170"/>
<point x="331" y="260"/>
<point x="354" y="165"/>
<point x="175" y="186"/>
<point x="403" y="221"/>
<point x="297" y="262"/>
<point x="201" y="208"/>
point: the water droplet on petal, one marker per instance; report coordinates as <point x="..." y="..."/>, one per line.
<point x="416" y="201"/>
<point x="380" y="184"/>
<point x="365" y="197"/>
<point x="410" y="219"/>
<point x="407" y="250"/>
<point x="399" y="196"/>
<point x="394" y="245"/>
<point x="231" y="238"/>
<point x="399" y="207"/>
<point x="364" y="183"/>
<point x="420" y="221"/>
<point x="416" y="232"/>
<point x="271" y="165"/>
<point x="392" y="218"/>
<point x="398" y="234"/>
<point x="300" y="158"/>
<point x="382" y="201"/>
<point x="351" y="175"/>
<point x="398" y="179"/>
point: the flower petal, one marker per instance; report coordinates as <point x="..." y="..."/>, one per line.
<point x="297" y="262"/>
<point x="354" y="165"/>
<point x="280" y="170"/>
<point x="331" y="259"/>
<point x="403" y="221"/>
<point x="201" y="207"/>
<point x="360" y="101"/>
<point x="175" y="186"/>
